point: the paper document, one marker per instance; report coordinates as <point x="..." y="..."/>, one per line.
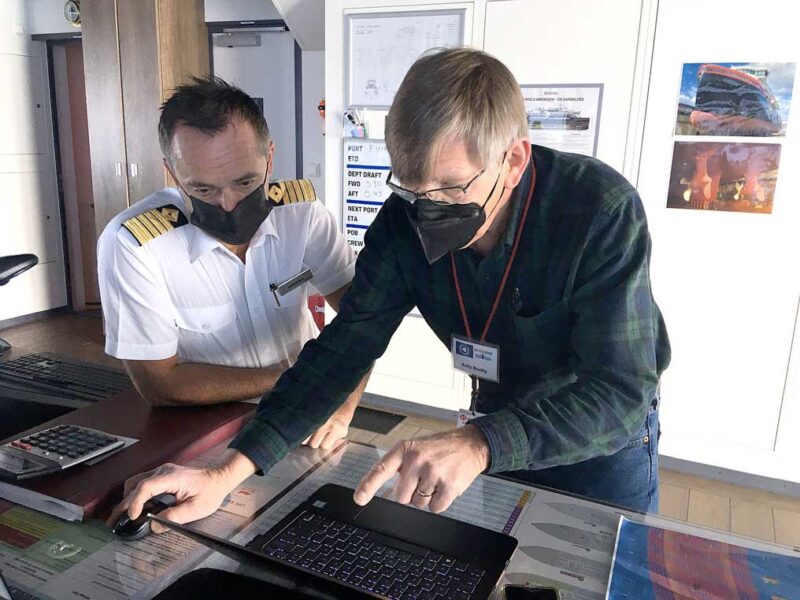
<point x="652" y="563"/>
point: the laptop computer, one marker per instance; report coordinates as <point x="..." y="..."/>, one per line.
<point x="329" y="547"/>
<point x="5" y="594"/>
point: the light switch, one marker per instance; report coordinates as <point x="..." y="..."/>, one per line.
<point x="314" y="169"/>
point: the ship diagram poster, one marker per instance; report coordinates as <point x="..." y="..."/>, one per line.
<point x="735" y="99"/>
<point x="564" y="117"/>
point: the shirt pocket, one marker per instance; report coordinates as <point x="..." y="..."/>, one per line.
<point x="544" y="338"/>
<point x="206" y="319"/>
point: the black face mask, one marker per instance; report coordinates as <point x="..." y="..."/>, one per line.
<point x="237" y="226"/>
<point x="442" y="228"/>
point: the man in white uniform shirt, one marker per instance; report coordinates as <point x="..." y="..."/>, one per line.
<point x="190" y="278"/>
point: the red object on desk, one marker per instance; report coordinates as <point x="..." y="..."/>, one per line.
<point x="165" y="434"/>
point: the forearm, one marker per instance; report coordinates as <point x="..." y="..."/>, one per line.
<point x="348" y="409"/>
<point x="195" y="383"/>
<point x="233" y="468"/>
<point x="589" y="418"/>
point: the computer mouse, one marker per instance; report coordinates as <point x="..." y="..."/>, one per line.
<point x="134" y="529"/>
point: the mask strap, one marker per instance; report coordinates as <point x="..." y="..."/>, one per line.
<point x="496" y="181"/>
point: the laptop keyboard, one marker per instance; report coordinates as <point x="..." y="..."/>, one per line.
<point x="49" y="372"/>
<point x="369" y="560"/>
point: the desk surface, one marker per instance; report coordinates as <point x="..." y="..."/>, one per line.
<point x="565" y="542"/>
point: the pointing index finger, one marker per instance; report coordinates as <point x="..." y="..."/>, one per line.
<point x="383" y="471"/>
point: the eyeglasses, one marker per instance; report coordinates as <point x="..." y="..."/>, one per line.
<point x="442" y="195"/>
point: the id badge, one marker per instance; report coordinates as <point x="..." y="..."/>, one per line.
<point x="478" y="359"/>
<point x="465" y="416"/>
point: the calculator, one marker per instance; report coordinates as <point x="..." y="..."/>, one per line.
<point x="53" y="450"/>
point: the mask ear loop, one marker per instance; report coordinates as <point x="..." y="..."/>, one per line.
<point x="494" y="187"/>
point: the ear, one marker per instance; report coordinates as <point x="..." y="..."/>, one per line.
<point x="518" y="156"/>
<point x="171" y="172"/>
<point x="271" y="156"/>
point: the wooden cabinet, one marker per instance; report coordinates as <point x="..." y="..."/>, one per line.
<point x="135" y="53"/>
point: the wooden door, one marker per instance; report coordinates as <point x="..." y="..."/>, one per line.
<point x="104" y="110"/>
<point x="141" y="95"/>
<point x="83" y="170"/>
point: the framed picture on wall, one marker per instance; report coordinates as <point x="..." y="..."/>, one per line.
<point x="724" y="176"/>
<point x="564" y="117"/>
<point x="381" y="47"/>
<point x="735" y="99"/>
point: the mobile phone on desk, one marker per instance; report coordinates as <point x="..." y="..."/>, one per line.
<point x="524" y="592"/>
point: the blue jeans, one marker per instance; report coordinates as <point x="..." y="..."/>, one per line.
<point x="628" y="478"/>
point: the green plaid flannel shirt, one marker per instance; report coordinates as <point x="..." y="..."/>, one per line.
<point x="582" y="342"/>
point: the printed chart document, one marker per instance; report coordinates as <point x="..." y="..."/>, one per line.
<point x="53" y="559"/>
<point x="653" y="563"/>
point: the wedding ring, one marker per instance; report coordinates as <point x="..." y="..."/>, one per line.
<point x="426" y="495"/>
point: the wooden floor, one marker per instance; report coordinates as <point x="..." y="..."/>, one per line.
<point x="745" y="511"/>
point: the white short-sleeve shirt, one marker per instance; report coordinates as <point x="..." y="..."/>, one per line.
<point x="184" y="293"/>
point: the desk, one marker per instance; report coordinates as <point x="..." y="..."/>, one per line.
<point x="565" y="542"/>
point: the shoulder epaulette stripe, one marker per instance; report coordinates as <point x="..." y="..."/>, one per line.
<point x="291" y="191"/>
<point x="145" y="222"/>
<point x="165" y="225"/>
<point x="309" y="189"/>
<point x="140" y="233"/>
<point x="155" y="222"/>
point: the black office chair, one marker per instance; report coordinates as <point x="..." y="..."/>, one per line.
<point x="10" y="267"/>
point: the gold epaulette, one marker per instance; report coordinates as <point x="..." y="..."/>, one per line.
<point x="291" y="191"/>
<point x="154" y="222"/>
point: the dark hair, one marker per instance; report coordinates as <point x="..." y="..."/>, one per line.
<point x="208" y="104"/>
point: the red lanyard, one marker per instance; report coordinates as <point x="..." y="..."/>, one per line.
<point x="517" y="237"/>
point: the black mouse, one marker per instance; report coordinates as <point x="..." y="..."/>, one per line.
<point x="134" y="529"/>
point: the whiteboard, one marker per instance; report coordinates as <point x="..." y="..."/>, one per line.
<point x="381" y="47"/>
<point x="366" y="165"/>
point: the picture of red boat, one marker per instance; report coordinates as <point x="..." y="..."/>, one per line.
<point x="734" y="101"/>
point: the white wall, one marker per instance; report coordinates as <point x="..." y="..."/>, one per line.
<point x="47" y="16"/>
<point x="313" y="126"/>
<point x="29" y="205"/>
<point x="728" y="283"/>
<point x="565" y="42"/>
<point x="240" y="10"/>
<point x="306" y="20"/>
<point x="267" y="72"/>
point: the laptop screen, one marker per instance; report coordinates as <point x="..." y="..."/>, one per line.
<point x="4" y="593"/>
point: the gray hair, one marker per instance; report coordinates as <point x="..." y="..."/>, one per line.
<point x="453" y="95"/>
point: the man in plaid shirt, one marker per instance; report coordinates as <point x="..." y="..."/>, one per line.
<point x="532" y="265"/>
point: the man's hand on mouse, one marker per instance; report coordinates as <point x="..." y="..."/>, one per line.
<point x="199" y="491"/>
<point x="433" y="471"/>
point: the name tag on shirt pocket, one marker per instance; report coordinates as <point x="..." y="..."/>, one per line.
<point x="206" y="319"/>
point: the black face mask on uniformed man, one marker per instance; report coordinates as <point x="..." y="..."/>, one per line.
<point x="237" y="226"/>
<point x="443" y="227"/>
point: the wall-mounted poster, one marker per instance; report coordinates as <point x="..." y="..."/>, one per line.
<point x="564" y="117"/>
<point x="380" y="48"/>
<point x="747" y="99"/>
<point x="724" y="176"/>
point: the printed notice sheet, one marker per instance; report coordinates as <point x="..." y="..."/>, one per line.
<point x="382" y="47"/>
<point x="564" y="117"/>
